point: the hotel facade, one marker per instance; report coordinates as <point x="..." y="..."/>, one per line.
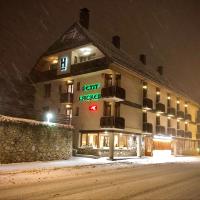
<point x="117" y="105"/>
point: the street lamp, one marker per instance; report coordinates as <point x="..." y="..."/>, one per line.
<point x="49" y="116"/>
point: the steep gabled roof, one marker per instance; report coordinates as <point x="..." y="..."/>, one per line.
<point x="77" y="35"/>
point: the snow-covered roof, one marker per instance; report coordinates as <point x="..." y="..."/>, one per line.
<point x="77" y="35"/>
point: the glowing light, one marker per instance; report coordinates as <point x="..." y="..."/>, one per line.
<point x="55" y="61"/>
<point x="68" y="106"/>
<point x="168" y="97"/>
<point x="177" y="101"/>
<point x="158" y="92"/>
<point x="69" y="81"/>
<point x="162" y="138"/>
<point x="49" y="116"/>
<point x="86" y="51"/>
<point x="186" y="105"/>
<point x="158" y="114"/>
<point x="120" y="134"/>
<point x="144" y="87"/>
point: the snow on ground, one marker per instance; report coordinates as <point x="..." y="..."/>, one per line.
<point x="83" y="161"/>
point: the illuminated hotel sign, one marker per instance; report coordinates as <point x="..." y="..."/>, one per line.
<point x="90" y="97"/>
<point x="63" y="64"/>
<point x="91" y="87"/>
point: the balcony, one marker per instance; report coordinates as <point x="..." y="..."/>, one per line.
<point x="113" y="92"/>
<point x="188" y="117"/>
<point x="171" y="112"/>
<point x="147" y="127"/>
<point x="171" y="131"/>
<point x="198" y="136"/>
<point x="188" y="134"/>
<point x="112" y="122"/>
<point x="160" y="129"/>
<point x="160" y="108"/>
<point x="180" y="115"/>
<point x="66" y="98"/>
<point x="180" y="133"/>
<point x="147" y="104"/>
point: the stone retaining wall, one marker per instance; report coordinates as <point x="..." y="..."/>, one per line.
<point x="24" y="140"/>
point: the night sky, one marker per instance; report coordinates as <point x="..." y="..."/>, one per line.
<point x="167" y="31"/>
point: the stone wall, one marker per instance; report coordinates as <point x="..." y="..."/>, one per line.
<point x="24" y="140"/>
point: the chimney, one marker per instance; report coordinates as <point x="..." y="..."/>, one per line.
<point x="160" y="70"/>
<point x="116" y="41"/>
<point x="143" y="59"/>
<point x="84" y="17"/>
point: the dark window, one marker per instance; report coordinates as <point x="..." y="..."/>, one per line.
<point x="186" y="127"/>
<point x="157" y="120"/>
<point x="178" y="124"/>
<point x="144" y="117"/>
<point x="169" y="123"/>
<point x="60" y="88"/>
<point x="117" y="109"/>
<point x="78" y="86"/>
<point x="47" y="90"/>
<point x="186" y="109"/>
<point x="75" y="59"/>
<point x="107" y="109"/>
<point x="168" y="101"/>
<point x="178" y="105"/>
<point x="118" y="80"/>
<point x="77" y="111"/>
<point x="108" y="80"/>
<point x="157" y="95"/>
<point x="144" y="90"/>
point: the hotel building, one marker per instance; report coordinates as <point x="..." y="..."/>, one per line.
<point x="117" y="105"/>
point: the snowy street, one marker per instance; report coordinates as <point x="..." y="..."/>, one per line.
<point x="148" y="178"/>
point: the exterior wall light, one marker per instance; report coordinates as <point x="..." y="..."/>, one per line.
<point x="158" y="92"/>
<point x="186" y="105"/>
<point x="168" y="97"/>
<point x="144" y="87"/>
<point x="177" y="101"/>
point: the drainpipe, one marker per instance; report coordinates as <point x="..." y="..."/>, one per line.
<point x="111" y="135"/>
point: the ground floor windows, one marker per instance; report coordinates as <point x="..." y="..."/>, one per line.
<point x="100" y="140"/>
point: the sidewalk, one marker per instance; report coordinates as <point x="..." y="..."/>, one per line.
<point x="82" y="161"/>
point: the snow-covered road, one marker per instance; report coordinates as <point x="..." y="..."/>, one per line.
<point x="178" y="180"/>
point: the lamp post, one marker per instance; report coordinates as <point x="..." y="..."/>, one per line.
<point x="49" y="116"/>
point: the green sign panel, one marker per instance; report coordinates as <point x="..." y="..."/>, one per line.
<point x="90" y="97"/>
<point x="91" y="87"/>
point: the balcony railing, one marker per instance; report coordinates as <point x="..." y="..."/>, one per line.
<point x="180" y="133"/>
<point x="180" y="114"/>
<point x="171" y="131"/>
<point x="198" y="136"/>
<point x="113" y="91"/>
<point x="188" y="117"/>
<point x="112" y="122"/>
<point x="160" y="108"/>
<point x="66" y="97"/>
<point x="171" y="111"/>
<point x="160" y="129"/>
<point x="64" y="119"/>
<point x="188" y="134"/>
<point x="147" y="127"/>
<point x="147" y="104"/>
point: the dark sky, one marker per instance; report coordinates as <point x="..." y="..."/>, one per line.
<point x="167" y="31"/>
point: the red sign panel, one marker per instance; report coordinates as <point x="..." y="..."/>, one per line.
<point x="93" y="107"/>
